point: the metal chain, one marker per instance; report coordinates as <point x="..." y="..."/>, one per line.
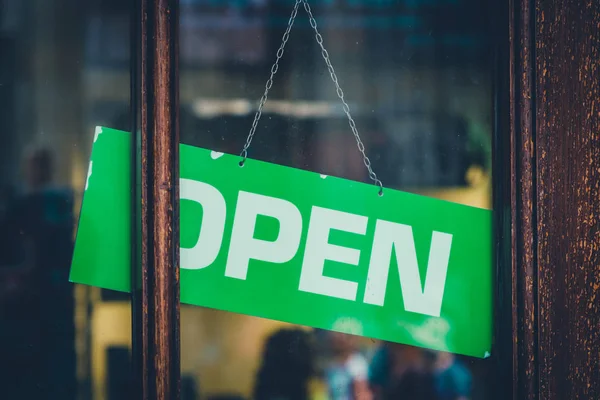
<point x="339" y="91"/>
<point x="274" y="68"/>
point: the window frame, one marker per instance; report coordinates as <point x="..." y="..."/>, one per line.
<point x="534" y="354"/>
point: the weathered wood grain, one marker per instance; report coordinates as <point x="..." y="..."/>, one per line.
<point x="156" y="267"/>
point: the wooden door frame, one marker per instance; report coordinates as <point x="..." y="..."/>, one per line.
<point x="155" y="231"/>
<point x="546" y="199"/>
<point x="547" y="193"/>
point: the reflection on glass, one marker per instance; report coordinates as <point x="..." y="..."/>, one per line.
<point x="57" y="340"/>
<point x="416" y="77"/>
<point x="37" y="300"/>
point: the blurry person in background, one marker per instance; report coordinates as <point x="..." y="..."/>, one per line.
<point x="406" y="372"/>
<point x="346" y="372"/>
<point x="38" y="328"/>
<point x="453" y="380"/>
<point x="287" y="367"/>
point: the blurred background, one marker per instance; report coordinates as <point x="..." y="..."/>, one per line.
<point x="417" y="76"/>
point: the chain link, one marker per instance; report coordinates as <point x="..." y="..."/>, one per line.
<point x="339" y="91"/>
<point x="269" y="84"/>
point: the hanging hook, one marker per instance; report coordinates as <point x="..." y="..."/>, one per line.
<point x="244" y="155"/>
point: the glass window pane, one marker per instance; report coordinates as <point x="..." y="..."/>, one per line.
<point x="57" y="340"/>
<point x="417" y="77"/>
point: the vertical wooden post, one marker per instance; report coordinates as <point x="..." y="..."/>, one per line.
<point x="155" y="110"/>
<point x="555" y="198"/>
<point x="523" y="201"/>
<point x="568" y="197"/>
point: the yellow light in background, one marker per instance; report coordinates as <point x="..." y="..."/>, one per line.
<point x="111" y="326"/>
<point x="477" y="194"/>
